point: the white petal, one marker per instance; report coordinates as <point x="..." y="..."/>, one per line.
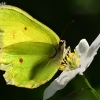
<point x="94" y="47"/>
<point x="92" y="51"/>
<point x="51" y="89"/>
<point x="82" y="47"/>
<point x="59" y="83"/>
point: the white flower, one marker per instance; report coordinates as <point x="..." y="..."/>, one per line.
<point x="86" y="54"/>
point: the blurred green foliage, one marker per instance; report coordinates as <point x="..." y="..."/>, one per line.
<point x="85" y="6"/>
<point x="56" y="14"/>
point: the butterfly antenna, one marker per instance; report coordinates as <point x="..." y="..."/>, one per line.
<point x="66" y="28"/>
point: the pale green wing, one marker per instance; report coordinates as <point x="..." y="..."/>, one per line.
<point x="18" y="26"/>
<point x="30" y="52"/>
<point x="29" y="68"/>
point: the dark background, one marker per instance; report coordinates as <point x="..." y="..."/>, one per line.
<point x="56" y="14"/>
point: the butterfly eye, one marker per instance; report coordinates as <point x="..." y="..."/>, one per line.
<point x="61" y="42"/>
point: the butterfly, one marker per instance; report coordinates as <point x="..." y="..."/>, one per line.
<point x="30" y="52"/>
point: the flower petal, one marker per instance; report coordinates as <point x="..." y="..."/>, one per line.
<point x="92" y="51"/>
<point x="51" y="89"/>
<point x="82" y="47"/>
<point x="59" y="83"/>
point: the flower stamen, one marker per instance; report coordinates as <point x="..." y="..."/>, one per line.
<point x="70" y="62"/>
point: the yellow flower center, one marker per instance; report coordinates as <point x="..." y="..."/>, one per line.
<point x="70" y="62"/>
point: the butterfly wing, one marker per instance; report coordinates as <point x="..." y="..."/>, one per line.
<point x="29" y="50"/>
<point x="18" y="26"/>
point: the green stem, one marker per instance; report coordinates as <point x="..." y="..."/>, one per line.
<point x="90" y="87"/>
